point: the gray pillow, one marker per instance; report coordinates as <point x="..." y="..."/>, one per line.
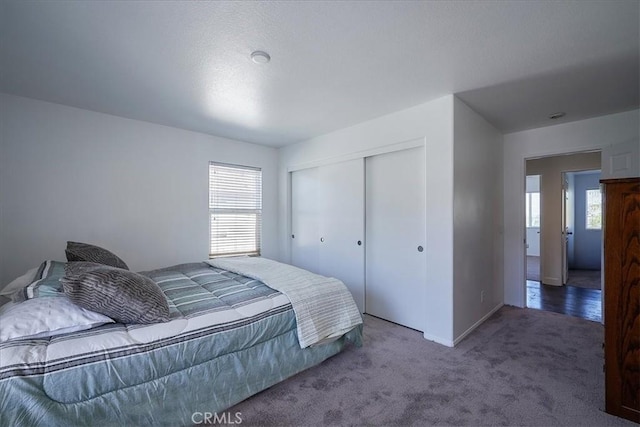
<point x="123" y="295"/>
<point x="76" y="268"/>
<point x="77" y="251"/>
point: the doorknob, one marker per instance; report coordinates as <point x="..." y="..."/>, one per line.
<point x="359" y="243"/>
<point x="322" y="239"/>
<point x="420" y="249"/>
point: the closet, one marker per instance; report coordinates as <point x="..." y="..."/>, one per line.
<point x="327" y="223"/>
<point x="395" y="234"/>
<point x="622" y="297"/>
<point x="363" y="222"/>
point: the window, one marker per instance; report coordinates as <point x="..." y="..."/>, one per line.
<point x="235" y="209"/>
<point x="533" y="209"/>
<point x="594" y="209"/>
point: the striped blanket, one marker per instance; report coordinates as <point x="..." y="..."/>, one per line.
<point x="323" y="306"/>
<point x="229" y="337"/>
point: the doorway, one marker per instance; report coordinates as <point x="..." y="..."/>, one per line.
<point x="584" y="238"/>
<point x="563" y="236"/>
<point x="532" y="224"/>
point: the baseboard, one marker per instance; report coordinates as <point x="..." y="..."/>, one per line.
<point x="478" y="323"/>
<point x="554" y="281"/>
<point x="439" y="340"/>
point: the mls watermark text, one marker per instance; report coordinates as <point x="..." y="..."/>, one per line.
<point x="215" y="418"/>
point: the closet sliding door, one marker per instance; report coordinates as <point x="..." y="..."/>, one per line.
<point x="305" y="219"/>
<point x="342" y="236"/>
<point x="396" y="233"/>
<point x="327" y="222"/>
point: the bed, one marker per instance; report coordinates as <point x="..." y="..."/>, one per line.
<point x="228" y="336"/>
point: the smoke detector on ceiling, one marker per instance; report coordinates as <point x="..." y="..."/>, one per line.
<point x="260" y="57"/>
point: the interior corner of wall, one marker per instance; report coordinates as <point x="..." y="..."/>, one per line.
<point x="483" y="319"/>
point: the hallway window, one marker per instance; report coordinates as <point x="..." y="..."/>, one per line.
<point x="533" y="209"/>
<point x="594" y="209"/>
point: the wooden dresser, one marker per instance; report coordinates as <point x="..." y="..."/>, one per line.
<point x="622" y="296"/>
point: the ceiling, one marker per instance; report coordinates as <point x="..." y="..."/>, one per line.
<point x="334" y="64"/>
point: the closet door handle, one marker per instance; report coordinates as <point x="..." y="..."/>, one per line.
<point x="322" y="239"/>
<point x="420" y="249"/>
<point x="359" y="243"/>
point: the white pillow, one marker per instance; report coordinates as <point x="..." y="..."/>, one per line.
<point x="45" y="317"/>
<point x="20" y="282"/>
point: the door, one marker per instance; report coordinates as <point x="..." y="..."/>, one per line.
<point x="305" y="219"/>
<point x="396" y="230"/>
<point x="327" y="223"/>
<point x="565" y="230"/>
<point x="341" y="231"/>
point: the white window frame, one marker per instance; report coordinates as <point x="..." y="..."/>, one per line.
<point x="529" y="209"/>
<point x="235" y="210"/>
<point x="598" y="226"/>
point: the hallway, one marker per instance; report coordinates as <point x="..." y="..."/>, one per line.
<point x="581" y="297"/>
<point x="569" y="300"/>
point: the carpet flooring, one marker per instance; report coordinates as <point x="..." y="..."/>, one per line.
<point x="521" y="367"/>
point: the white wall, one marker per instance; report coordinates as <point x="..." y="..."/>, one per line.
<point x="477" y="219"/>
<point x="136" y="188"/>
<point x="550" y="170"/>
<point x="533" y="241"/>
<point x="431" y="122"/>
<point x="621" y="160"/>
<point x="592" y="134"/>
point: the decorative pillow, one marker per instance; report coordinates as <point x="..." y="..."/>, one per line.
<point x="45" y="317"/>
<point x="20" y="282"/>
<point x="75" y="268"/>
<point x="123" y="295"/>
<point x="46" y="283"/>
<point x="85" y="252"/>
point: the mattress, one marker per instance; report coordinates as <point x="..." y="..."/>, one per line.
<point x="229" y="337"/>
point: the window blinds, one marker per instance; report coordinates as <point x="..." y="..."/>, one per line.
<point x="235" y="209"/>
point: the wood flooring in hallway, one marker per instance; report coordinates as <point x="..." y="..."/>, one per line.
<point x="569" y="300"/>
